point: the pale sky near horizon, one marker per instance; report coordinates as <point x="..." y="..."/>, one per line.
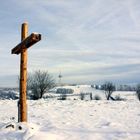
<point x="89" y="41"/>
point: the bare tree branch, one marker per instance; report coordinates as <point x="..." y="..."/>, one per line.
<point x="39" y="82"/>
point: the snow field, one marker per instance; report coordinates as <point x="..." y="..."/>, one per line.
<point x="52" y="119"/>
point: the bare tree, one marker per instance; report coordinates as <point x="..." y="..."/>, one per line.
<point x="138" y="91"/>
<point x="39" y="82"/>
<point x="108" y="87"/>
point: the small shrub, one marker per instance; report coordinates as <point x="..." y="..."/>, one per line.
<point x="97" y="97"/>
<point x="138" y="96"/>
<point x="90" y="95"/>
<point x="63" y="97"/>
<point x="138" y="91"/>
<point x="82" y="96"/>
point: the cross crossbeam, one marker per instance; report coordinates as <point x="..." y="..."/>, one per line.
<point x="27" y="42"/>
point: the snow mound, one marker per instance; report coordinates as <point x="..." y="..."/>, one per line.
<point x="17" y="131"/>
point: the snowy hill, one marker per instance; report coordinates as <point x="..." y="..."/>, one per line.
<point x="87" y="89"/>
<point x="52" y="119"/>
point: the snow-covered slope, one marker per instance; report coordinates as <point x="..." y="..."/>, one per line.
<point x="87" y="89"/>
<point x="53" y="119"/>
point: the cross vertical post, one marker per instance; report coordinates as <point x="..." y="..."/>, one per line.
<point x="23" y="75"/>
<point x="21" y="48"/>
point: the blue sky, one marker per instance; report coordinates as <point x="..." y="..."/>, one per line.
<point x="89" y="41"/>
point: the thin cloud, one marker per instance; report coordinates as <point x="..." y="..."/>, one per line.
<point x="88" y="40"/>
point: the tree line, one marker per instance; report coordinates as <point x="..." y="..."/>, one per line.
<point x="40" y="82"/>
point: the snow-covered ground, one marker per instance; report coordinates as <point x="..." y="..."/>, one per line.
<point x="52" y="119"/>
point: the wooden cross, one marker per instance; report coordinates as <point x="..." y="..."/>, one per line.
<point x="21" y="48"/>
